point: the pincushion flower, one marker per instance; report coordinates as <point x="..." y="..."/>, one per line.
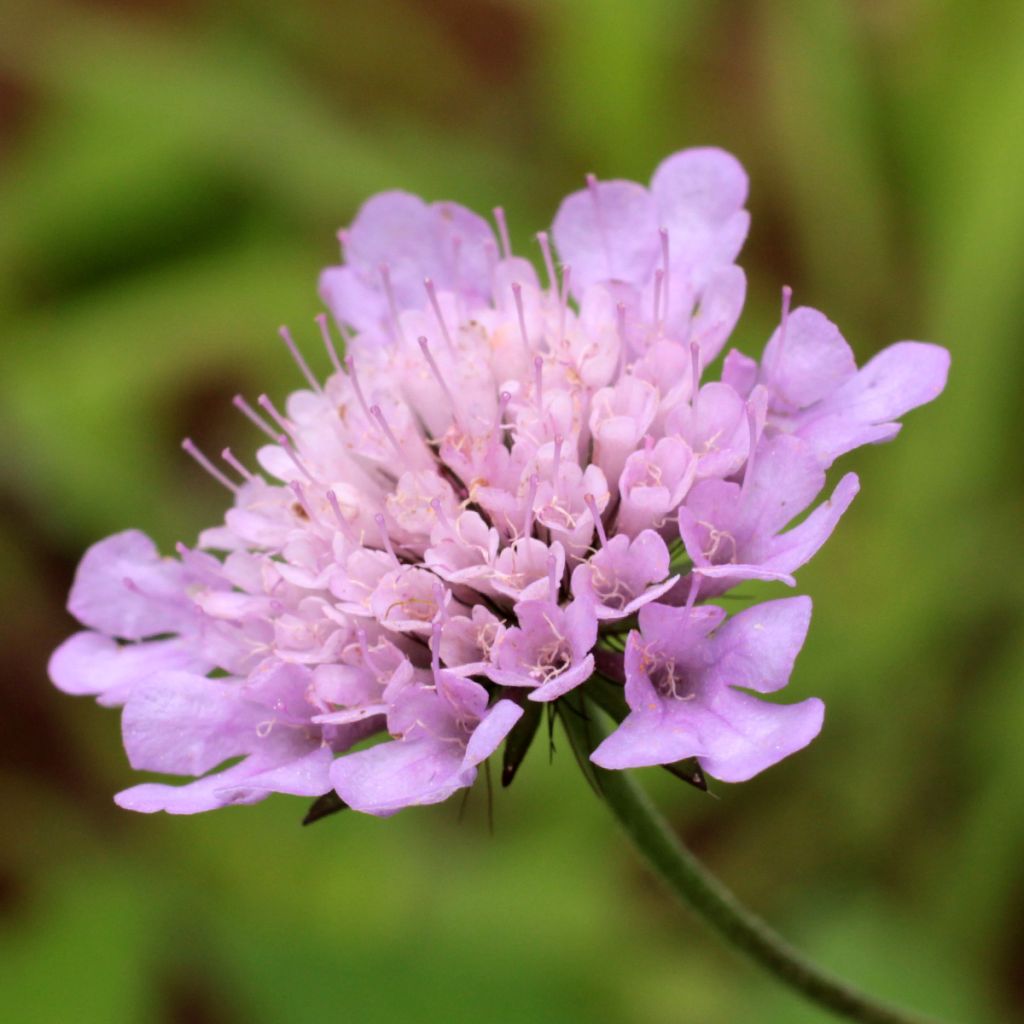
<point x="512" y="490"/>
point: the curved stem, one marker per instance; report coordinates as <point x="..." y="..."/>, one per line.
<point x="703" y="893"/>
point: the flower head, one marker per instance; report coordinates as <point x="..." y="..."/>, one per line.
<point x="503" y="480"/>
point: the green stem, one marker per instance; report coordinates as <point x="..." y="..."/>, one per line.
<point x="702" y="892"/>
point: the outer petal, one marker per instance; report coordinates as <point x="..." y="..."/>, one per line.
<point x="493" y="728"/>
<point x="124" y="588"/>
<point x="898" y="379"/>
<point x="757" y="648"/>
<point x="184" y="724"/>
<point x="721" y="303"/>
<point x="607" y="232"/>
<point x="787" y="552"/>
<point x="744" y="735"/>
<point x="650" y="736"/>
<point x="399" y="773"/>
<point x="91" y="663"/>
<point x="808" y="360"/>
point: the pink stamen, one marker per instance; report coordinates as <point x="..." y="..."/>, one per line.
<point x="549" y="263"/>
<point x="383" y="527"/>
<point x="439" y="377"/>
<point x="438" y="509"/>
<point x="350" y="365"/>
<point x="517" y="295"/>
<point x="563" y="301"/>
<point x="253" y="416"/>
<point x="691" y="597"/>
<point x="385" y="276"/>
<point x="432" y="296"/>
<point x="787" y="296"/>
<point x="694" y="368"/>
<point x="748" y="472"/>
<point x="289" y="448"/>
<point x="663" y="232"/>
<point x="289" y="341"/>
<point x="237" y="466"/>
<point x="659" y="284"/>
<point x="325" y="333"/>
<point x="499" y="219"/>
<point x="300" y="495"/>
<point x="264" y="402"/>
<point x="210" y="468"/>
<point x="346" y="528"/>
<point x="377" y="413"/>
<point x="538" y="378"/>
<point x="595" y="195"/>
<point x="553" y="577"/>
<point x="591" y="504"/>
<point x="531" y="497"/>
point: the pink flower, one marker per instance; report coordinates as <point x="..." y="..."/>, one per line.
<point x="476" y="506"/>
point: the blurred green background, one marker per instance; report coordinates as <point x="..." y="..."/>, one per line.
<point x="172" y="175"/>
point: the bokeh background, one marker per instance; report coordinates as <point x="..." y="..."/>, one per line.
<point x="173" y="172"/>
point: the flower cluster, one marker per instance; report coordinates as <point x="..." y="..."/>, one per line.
<point x="507" y="491"/>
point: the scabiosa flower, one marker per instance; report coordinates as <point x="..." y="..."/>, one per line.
<point x="510" y="491"/>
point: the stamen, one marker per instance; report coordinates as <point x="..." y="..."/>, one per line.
<point x="253" y="416"/>
<point x="432" y="295"/>
<point x="378" y="415"/>
<point x="289" y="448"/>
<point x="346" y="528"/>
<point x="517" y="295"/>
<point x="748" y="472"/>
<point x="383" y="527"/>
<point x="264" y="402"/>
<point x="538" y="379"/>
<point x="553" y="577"/>
<point x="210" y="468"/>
<point x="663" y="232"/>
<point x="385" y="276"/>
<point x="556" y="463"/>
<point x="599" y="219"/>
<point x="436" y="370"/>
<point x="549" y="263"/>
<point x="435" y="648"/>
<point x="286" y="337"/>
<point x="787" y="295"/>
<point x="350" y="365"/>
<point x="691" y="597"/>
<point x="364" y="647"/>
<point x="563" y="302"/>
<point x="694" y="368"/>
<point x="237" y="466"/>
<point x="531" y="497"/>
<point x="591" y="504"/>
<point x="499" y="219"/>
<point x="325" y="333"/>
<point x="659" y="284"/>
<point x="300" y="494"/>
<point x="438" y="509"/>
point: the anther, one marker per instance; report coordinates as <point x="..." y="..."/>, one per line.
<point x="325" y="333"/>
<point x="210" y="468"/>
<point x="253" y="416"/>
<point x="289" y="341"/>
